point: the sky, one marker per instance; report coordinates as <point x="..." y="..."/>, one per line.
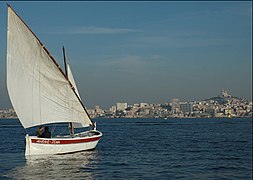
<point x="143" y="51"/>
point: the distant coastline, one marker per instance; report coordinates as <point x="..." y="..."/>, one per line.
<point x="221" y="106"/>
<point x="16" y="118"/>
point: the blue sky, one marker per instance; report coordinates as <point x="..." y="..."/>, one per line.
<point x="143" y="51"/>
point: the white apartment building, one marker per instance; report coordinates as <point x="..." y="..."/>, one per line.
<point x="121" y="106"/>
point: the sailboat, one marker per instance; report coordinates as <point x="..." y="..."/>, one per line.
<point x="42" y="93"/>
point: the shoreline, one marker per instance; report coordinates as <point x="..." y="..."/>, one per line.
<point x="16" y="118"/>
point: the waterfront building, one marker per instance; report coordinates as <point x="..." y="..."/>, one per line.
<point x="175" y="106"/>
<point x="121" y="106"/>
<point x="98" y="111"/>
<point x="142" y="105"/>
<point x="113" y="109"/>
<point x="144" y="111"/>
<point x="186" y="107"/>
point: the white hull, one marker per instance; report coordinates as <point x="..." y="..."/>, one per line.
<point x="62" y="145"/>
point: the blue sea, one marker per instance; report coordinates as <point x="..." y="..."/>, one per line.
<point x="140" y="149"/>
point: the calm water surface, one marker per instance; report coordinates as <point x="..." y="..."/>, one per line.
<point x="140" y="149"/>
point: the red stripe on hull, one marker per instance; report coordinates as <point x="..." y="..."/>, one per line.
<point x="69" y="141"/>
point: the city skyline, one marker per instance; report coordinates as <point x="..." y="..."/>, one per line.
<point x="143" y="51"/>
<point x="223" y="105"/>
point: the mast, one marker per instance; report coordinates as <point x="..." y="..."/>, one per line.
<point x="71" y="127"/>
<point x="65" y="62"/>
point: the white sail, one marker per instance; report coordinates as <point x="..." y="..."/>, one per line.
<point x="72" y="80"/>
<point x="38" y="89"/>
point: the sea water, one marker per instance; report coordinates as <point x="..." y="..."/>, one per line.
<point x="140" y="149"/>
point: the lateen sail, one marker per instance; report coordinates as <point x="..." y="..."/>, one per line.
<point x="72" y="80"/>
<point x="39" y="91"/>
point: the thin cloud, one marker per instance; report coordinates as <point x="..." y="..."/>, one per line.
<point x="93" y="30"/>
<point x="133" y="63"/>
<point x="183" y="40"/>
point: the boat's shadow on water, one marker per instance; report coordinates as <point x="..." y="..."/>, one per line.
<point x="69" y="166"/>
